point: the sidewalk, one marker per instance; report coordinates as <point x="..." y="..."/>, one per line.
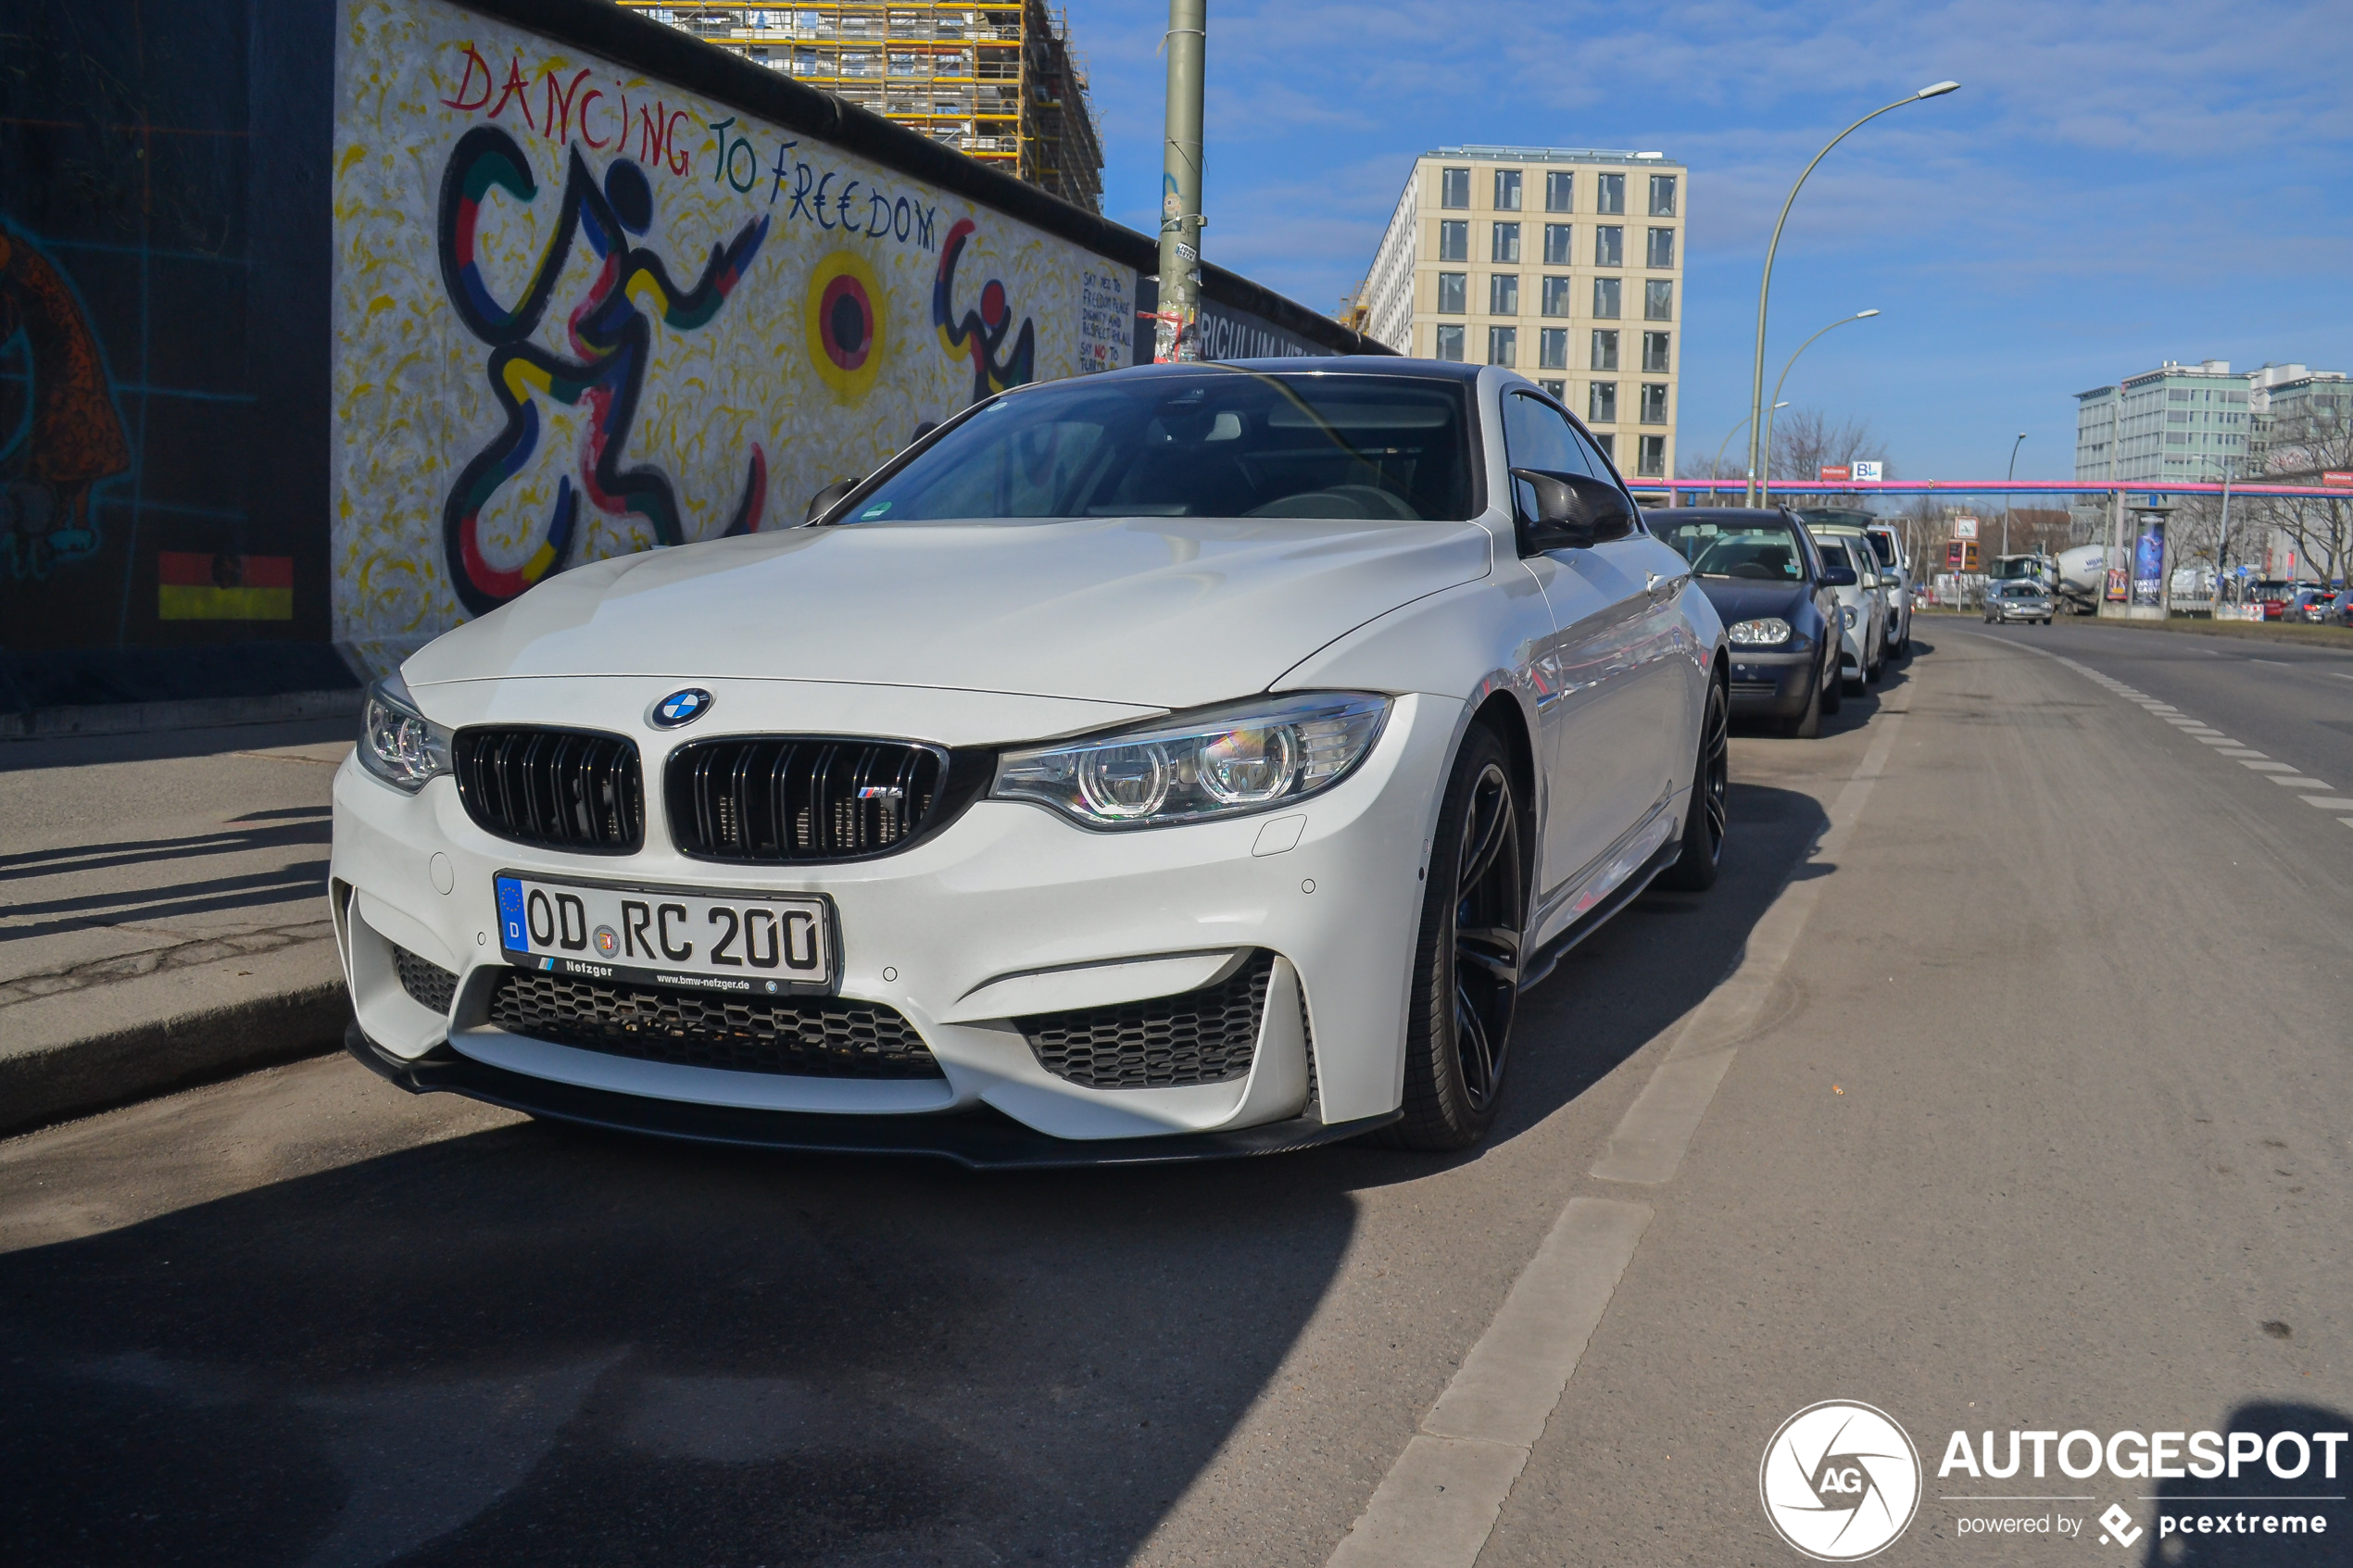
<point x="162" y="911"/>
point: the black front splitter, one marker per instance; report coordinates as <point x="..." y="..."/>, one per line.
<point x="980" y="1139"/>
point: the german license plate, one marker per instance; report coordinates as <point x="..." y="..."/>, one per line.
<point x="754" y="944"/>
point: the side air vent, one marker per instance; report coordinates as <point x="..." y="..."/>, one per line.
<point x="772" y="799"/>
<point x="560" y="789"/>
<point x="428" y="984"/>
<point x="1204" y="1036"/>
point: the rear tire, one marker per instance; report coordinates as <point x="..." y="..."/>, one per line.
<point x="1468" y="959"/>
<point x="1694" y="870"/>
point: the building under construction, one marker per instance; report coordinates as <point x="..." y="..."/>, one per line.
<point x="997" y="79"/>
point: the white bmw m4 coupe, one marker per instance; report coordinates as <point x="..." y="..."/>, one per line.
<point x="1186" y="760"/>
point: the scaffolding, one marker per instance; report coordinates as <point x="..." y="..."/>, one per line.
<point x="997" y="79"/>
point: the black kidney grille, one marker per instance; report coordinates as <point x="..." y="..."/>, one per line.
<point x="799" y="1036"/>
<point x="775" y="797"/>
<point x="563" y="789"/>
<point x="428" y="983"/>
<point x="1204" y="1036"/>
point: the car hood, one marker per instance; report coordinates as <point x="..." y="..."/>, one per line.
<point x="1168" y="612"/>
<point x="1736" y="600"/>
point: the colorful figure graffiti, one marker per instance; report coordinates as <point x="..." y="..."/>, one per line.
<point x="68" y="437"/>
<point x="610" y="336"/>
<point x="981" y="332"/>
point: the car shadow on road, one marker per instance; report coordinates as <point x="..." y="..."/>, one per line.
<point x="533" y="1345"/>
<point x="2229" y="1506"/>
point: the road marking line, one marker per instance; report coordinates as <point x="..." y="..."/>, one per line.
<point x="2300" y="782"/>
<point x="2269" y="767"/>
<point x="1439" y="1500"/>
<point x="2216" y="740"/>
<point x="2274" y="663"/>
<point x="2328" y="803"/>
<point x="2240" y="751"/>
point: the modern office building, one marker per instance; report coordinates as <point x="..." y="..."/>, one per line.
<point x="997" y="80"/>
<point x="1564" y="263"/>
<point x="2300" y="417"/>
<point x="2179" y="422"/>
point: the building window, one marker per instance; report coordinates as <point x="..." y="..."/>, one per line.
<point x="1454" y="187"/>
<point x="1449" y="344"/>
<point x="1605" y="349"/>
<point x="1560" y="191"/>
<point x="1609" y="192"/>
<point x="1601" y="402"/>
<point x="1556" y="241"/>
<point x="1503" y="345"/>
<point x="1662" y="196"/>
<point x="1662" y="251"/>
<point x="1454" y="239"/>
<point x="1609" y="245"/>
<point x="1654" y="351"/>
<point x="1653" y="403"/>
<point x="1453" y="292"/>
<point x="1507" y="190"/>
<point x="1551" y="348"/>
<point x="1608" y="444"/>
<point x="1557" y="388"/>
<point x="1556" y="296"/>
<point x="1651" y="456"/>
<point x="1606" y="298"/>
<point x="1503" y="295"/>
<point x="1658" y="300"/>
<point x="1505" y="244"/>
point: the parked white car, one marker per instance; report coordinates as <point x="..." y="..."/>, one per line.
<point x="1896" y="565"/>
<point x="1181" y="760"/>
<point x="1862" y="606"/>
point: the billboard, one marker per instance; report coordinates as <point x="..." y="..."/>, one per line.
<point x="580" y="311"/>
<point x="2148" y="560"/>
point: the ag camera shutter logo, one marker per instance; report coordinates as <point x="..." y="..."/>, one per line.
<point x="1840" y="1481"/>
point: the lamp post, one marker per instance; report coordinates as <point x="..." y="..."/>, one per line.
<point x="1178" y="333"/>
<point x="2006" y="495"/>
<point x="1716" y="467"/>
<point x="2222" y="544"/>
<point x="1764" y="288"/>
<point x="1765" y="480"/>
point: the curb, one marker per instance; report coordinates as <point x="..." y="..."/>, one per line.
<point x="77" y="1077"/>
<point x="191" y="713"/>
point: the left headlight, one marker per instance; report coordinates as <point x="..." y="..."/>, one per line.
<point x="1248" y="758"/>
<point x="1846" y="616"/>
<point x="397" y="743"/>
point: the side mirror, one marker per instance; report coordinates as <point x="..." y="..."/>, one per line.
<point x="1838" y="577"/>
<point x="1571" y="511"/>
<point x="825" y="500"/>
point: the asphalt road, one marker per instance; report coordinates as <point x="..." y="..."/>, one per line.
<point x="2036" y="1118"/>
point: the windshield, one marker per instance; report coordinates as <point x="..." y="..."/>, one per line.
<point x="1218" y="443"/>
<point x="1833" y="555"/>
<point x="1764" y="550"/>
<point x="1883" y="547"/>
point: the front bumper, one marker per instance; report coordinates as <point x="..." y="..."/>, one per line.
<point x="1773" y="686"/>
<point x="1010" y="911"/>
<point x="2020" y="613"/>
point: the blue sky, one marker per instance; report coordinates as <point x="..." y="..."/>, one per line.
<point x="2116" y="184"/>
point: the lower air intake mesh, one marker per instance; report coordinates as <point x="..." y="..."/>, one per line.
<point x="428" y="984"/>
<point x="1204" y="1036"/>
<point x="798" y="1037"/>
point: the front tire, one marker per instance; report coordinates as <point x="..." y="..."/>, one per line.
<point x="1467" y="961"/>
<point x="1694" y="870"/>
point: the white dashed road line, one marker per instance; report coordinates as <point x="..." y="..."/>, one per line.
<point x="1439" y="1501"/>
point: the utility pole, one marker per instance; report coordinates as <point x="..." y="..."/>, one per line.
<point x="2006" y="495"/>
<point x="1177" y="331"/>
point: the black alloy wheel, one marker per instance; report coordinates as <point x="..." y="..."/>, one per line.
<point x="1694" y="870"/>
<point x="1467" y="960"/>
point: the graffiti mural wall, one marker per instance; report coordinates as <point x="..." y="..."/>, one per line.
<point x="578" y="311"/>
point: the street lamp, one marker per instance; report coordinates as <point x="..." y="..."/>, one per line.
<point x="1765" y="482"/>
<point x="1716" y="467"/>
<point x="1764" y="288"/>
<point x="2006" y="495"/>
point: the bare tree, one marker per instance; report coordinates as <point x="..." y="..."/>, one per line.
<point x="2301" y="449"/>
<point x="1805" y="440"/>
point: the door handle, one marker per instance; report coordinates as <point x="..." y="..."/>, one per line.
<point x="1661" y="586"/>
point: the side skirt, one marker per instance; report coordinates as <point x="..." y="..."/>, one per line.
<point x="1536" y="969"/>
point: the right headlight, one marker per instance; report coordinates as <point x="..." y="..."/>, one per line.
<point x="397" y="743"/>
<point x="1769" y="632"/>
<point x="1251" y="757"/>
<point x="1846" y="616"/>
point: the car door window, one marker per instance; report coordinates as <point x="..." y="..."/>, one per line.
<point x="1537" y="435"/>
